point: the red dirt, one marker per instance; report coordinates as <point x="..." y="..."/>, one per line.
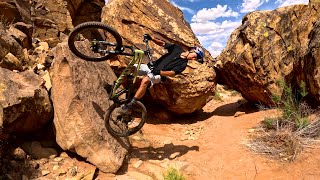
<point x="216" y="148"/>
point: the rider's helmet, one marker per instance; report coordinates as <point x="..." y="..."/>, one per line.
<point x="199" y="52"/>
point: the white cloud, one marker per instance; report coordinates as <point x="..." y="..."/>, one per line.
<point x="251" y="5"/>
<point x="290" y="2"/>
<point x="213" y="35"/>
<point x="183" y="8"/>
<point x="215" y="49"/>
<point x="205" y="14"/>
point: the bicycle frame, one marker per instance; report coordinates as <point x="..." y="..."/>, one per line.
<point x="136" y="59"/>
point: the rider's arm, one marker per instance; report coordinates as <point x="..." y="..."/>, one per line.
<point x="167" y="73"/>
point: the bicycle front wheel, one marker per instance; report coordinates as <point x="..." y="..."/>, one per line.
<point x="127" y="124"/>
<point x="94" y="41"/>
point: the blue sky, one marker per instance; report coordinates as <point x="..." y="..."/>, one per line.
<point x="214" y="20"/>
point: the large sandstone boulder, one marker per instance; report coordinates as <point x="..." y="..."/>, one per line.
<point x="133" y="18"/>
<point x="80" y="101"/>
<point x="24" y="102"/>
<point x="266" y="48"/>
<point x="187" y="92"/>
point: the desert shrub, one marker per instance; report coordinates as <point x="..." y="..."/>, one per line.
<point x="173" y="174"/>
<point x="285" y="135"/>
<point x="291" y="107"/>
<point x="217" y="96"/>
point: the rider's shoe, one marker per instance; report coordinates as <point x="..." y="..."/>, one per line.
<point x="124" y="109"/>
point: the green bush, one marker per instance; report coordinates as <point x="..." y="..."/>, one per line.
<point x="173" y="174"/>
<point x="290" y="105"/>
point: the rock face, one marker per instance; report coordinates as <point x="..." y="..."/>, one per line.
<point x="80" y="101"/>
<point x="268" y="46"/>
<point x="14" y="11"/>
<point x="133" y="18"/>
<point x="51" y="20"/>
<point x="308" y="70"/>
<point x="24" y="102"/>
<point x="82" y="11"/>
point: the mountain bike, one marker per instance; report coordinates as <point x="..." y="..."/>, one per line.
<point x="105" y="43"/>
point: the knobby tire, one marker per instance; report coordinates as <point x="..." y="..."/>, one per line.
<point x="127" y="132"/>
<point x="89" y="25"/>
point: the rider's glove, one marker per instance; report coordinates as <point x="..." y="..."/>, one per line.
<point x="155" y="72"/>
<point x="147" y="37"/>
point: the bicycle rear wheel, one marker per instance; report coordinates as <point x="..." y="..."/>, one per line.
<point x="104" y="42"/>
<point x="125" y="124"/>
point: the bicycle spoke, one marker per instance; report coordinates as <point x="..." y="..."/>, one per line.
<point x="94" y="41"/>
<point x="125" y="124"/>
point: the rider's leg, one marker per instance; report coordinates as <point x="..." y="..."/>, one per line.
<point x="141" y="90"/>
<point x="126" y="108"/>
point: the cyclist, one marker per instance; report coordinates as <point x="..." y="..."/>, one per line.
<point x="170" y="64"/>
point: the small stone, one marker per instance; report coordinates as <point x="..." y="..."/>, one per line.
<point x="137" y="138"/>
<point x="174" y="155"/>
<point x="237" y="114"/>
<point x="184" y="137"/>
<point x="45" y="172"/>
<point x="19" y="154"/>
<point x="34" y="165"/>
<point x="192" y="138"/>
<point x="58" y="159"/>
<point x="52" y="156"/>
<point x="56" y="167"/>
<point x="64" y="155"/>
<point x="251" y="130"/>
<point x="73" y="171"/>
<point x="138" y="164"/>
<point x="62" y="172"/>
<point x="40" y="66"/>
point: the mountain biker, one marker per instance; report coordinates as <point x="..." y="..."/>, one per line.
<point x="170" y="64"/>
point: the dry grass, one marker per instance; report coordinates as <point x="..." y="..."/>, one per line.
<point x="284" y="143"/>
<point x="289" y="132"/>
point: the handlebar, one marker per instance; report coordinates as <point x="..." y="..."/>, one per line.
<point x="147" y="51"/>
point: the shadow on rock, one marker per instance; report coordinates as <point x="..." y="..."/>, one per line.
<point x="15" y="164"/>
<point x="101" y="112"/>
